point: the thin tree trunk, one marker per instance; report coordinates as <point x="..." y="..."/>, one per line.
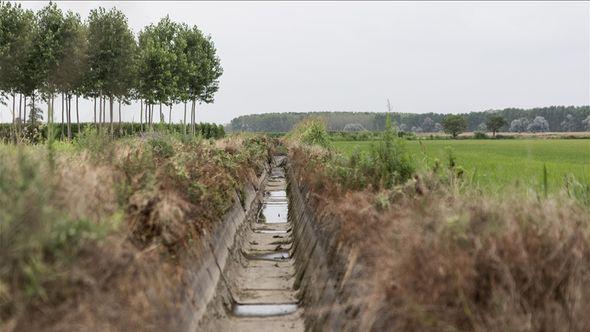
<point x="14" y="107"/>
<point x="119" y="114"/>
<point x="69" y="117"/>
<point x="99" y="125"/>
<point x="161" y="114"/>
<point x="104" y="110"/>
<point x="78" y="114"/>
<point x="49" y="117"/>
<point x="14" y="115"/>
<point x="184" y="120"/>
<point x="99" y="110"/>
<point x="20" y="108"/>
<point x="141" y="115"/>
<point x="94" y="110"/>
<point x="111" y="116"/>
<point x="170" y="115"/>
<point x="61" y="134"/>
<point x="194" y="117"/>
<point x="24" y="110"/>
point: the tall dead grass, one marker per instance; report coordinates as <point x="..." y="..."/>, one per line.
<point x="438" y="259"/>
<point x="98" y="235"/>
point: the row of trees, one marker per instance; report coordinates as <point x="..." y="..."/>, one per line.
<point x="455" y="124"/>
<point x="48" y="54"/>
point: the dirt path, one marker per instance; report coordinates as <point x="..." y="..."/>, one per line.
<point x="264" y="294"/>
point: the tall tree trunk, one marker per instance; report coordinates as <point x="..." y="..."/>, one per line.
<point x="69" y="115"/>
<point x="94" y="110"/>
<point x="141" y="115"/>
<point x="50" y="104"/>
<point x="194" y="117"/>
<point x="20" y="108"/>
<point x="161" y="114"/>
<point x="78" y="114"/>
<point x="99" y="113"/>
<point x="14" y="107"/>
<point x="170" y="115"/>
<point x="14" y="116"/>
<point x="184" y="120"/>
<point x="61" y="134"/>
<point x="48" y="117"/>
<point x="111" y="116"/>
<point x="120" y="129"/>
<point x="24" y="110"/>
<point x="104" y="110"/>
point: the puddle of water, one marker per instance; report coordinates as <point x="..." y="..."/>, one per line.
<point x="273" y="256"/>
<point x="263" y="310"/>
<point x="275" y="213"/>
<point x="266" y="231"/>
<point x="278" y="193"/>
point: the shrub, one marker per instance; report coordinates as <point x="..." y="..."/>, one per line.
<point x="311" y="131"/>
<point x="480" y="135"/>
<point x="161" y="147"/>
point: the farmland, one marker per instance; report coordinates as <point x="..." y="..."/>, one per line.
<point x="497" y="164"/>
<point x="313" y="221"/>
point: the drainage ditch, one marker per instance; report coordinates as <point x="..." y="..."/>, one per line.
<point x="258" y="290"/>
<point x="284" y="269"/>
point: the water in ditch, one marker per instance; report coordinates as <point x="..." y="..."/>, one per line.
<point x="265" y="296"/>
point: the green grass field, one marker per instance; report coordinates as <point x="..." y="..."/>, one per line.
<point x="497" y="164"/>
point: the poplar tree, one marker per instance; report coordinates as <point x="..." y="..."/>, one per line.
<point x="16" y="30"/>
<point x="111" y="55"/>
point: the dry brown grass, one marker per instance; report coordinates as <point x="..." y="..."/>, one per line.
<point x="146" y="211"/>
<point x="438" y="260"/>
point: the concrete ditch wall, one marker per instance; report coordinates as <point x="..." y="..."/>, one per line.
<point x="203" y="281"/>
<point x="329" y="276"/>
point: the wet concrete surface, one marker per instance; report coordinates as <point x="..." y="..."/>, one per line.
<point x="264" y="295"/>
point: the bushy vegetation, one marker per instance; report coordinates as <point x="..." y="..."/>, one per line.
<point x="496" y="165"/>
<point x="82" y="214"/>
<point x="311" y="131"/>
<point x="439" y="254"/>
<point x="38" y="133"/>
<point x="385" y="164"/>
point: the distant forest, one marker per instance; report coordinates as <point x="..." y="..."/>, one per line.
<point x="558" y="118"/>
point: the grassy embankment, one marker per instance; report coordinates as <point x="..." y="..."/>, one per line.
<point x="494" y="165"/>
<point x="99" y="233"/>
<point x="439" y="255"/>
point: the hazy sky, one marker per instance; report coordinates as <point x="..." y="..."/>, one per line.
<point x="351" y="56"/>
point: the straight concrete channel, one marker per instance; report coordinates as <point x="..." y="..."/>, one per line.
<point x="258" y="291"/>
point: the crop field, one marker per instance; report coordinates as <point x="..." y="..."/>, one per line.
<point x="498" y="164"/>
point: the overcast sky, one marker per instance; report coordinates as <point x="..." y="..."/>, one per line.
<point x="444" y="57"/>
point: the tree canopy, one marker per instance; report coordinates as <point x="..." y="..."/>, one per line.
<point x="494" y="123"/>
<point x="454" y="124"/>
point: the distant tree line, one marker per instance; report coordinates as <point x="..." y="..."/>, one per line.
<point x="553" y="118"/>
<point x="49" y="55"/>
